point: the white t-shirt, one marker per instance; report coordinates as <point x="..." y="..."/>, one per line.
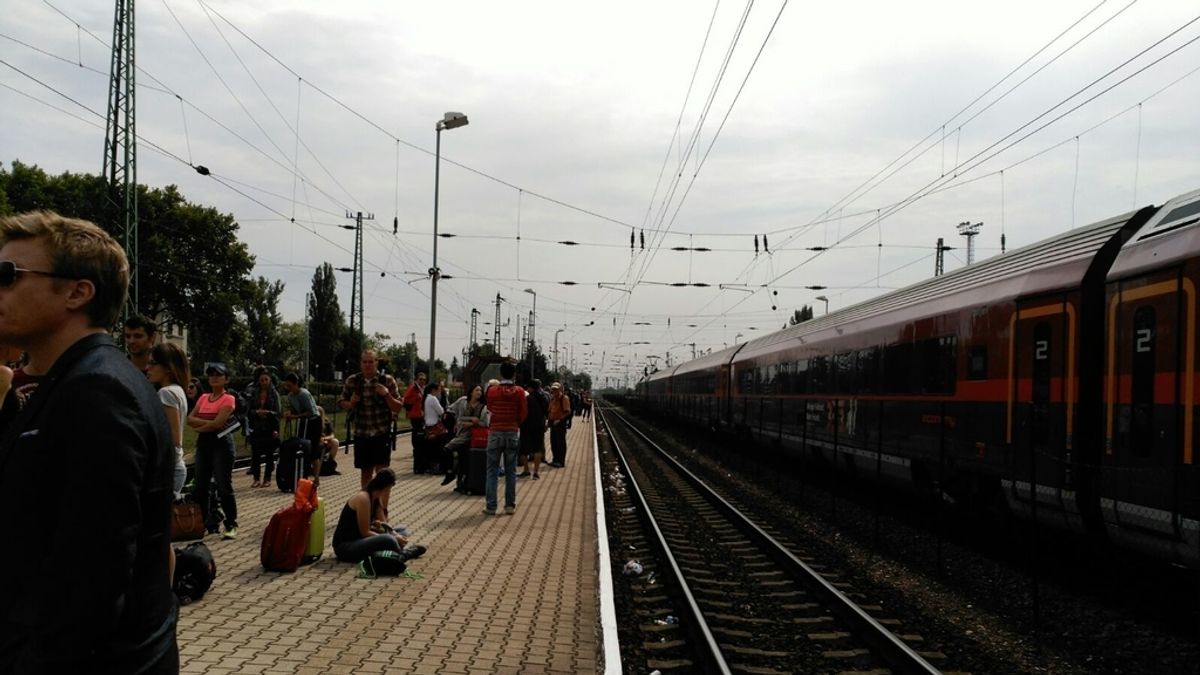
<point x="172" y="396"/>
<point x="433" y="410"/>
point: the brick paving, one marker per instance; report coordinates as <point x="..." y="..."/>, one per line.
<point x="499" y="594"/>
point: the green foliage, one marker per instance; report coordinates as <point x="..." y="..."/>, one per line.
<point x="192" y="268"/>
<point x="263" y="322"/>
<point x="800" y="316"/>
<point x="327" y="324"/>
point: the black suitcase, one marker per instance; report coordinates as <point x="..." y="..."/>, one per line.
<point x="292" y="455"/>
<point x="420" y="461"/>
<point x="473" y="481"/>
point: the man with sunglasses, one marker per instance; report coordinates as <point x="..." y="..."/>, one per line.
<point x="86" y="467"/>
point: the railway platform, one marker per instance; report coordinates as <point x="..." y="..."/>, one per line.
<point x="495" y="594"/>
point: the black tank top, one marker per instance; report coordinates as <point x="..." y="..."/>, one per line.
<point x="347" y="526"/>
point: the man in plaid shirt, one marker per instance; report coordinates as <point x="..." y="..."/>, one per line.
<point x="372" y="398"/>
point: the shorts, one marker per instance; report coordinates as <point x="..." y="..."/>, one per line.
<point x="532" y="442"/>
<point x="372" y="451"/>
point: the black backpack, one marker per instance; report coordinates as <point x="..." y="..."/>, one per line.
<point x="385" y="563"/>
<point x="195" y="570"/>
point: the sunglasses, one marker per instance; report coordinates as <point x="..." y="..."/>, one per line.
<point x="9" y="273"/>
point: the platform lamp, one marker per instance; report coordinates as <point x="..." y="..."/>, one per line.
<point x="532" y="326"/>
<point x="824" y="300"/>
<point x="451" y="120"/>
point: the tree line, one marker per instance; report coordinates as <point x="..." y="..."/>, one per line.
<point x="194" y="272"/>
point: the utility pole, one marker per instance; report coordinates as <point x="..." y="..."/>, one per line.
<point x="120" y="144"/>
<point x="356" y="285"/>
<point x="307" y="318"/>
<point x="496" y="325"/>
<point x="412" y="359"/>
<point x="939" y="261"/>
<point x="970" y="231"/>
<point x="474" y="327"/>
<point x="693" y="345"/>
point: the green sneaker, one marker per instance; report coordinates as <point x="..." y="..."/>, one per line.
<point x="229" y="533"/>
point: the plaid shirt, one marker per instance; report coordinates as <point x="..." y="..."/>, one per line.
<point x="372" y="417"/>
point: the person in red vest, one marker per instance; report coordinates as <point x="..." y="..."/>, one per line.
<point x="414" y="409"/>
<point x="508" y="408"/>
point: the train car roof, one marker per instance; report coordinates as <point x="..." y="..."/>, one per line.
<point x="708" y="361"/>
<point x="665" y="373"/>
<point x="1171" y="235"/>
<point x="1057" y="262"/>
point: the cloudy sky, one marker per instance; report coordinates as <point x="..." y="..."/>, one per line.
<point x="688" y="124"/>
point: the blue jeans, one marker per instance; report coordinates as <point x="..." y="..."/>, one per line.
<point x="502" y="442"/>
<point x="214" y="464"/>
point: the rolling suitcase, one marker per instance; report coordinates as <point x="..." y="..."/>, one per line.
<point x="472" y="481"/>
<point x="292" y="454"/>
<point x="287" y="538"/>
<point x="316" y="534"/>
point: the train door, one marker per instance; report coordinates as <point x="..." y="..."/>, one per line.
<point x="1040" y="399"/>
<point x="1147" y="436"/>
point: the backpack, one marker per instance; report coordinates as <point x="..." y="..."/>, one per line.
<point x="195" y="571"/>
<point x="381" y="563"/>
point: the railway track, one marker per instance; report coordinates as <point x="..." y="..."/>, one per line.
<point x="717" y="592"/>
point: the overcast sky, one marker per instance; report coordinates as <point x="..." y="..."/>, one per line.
<point x="576" y="109"/>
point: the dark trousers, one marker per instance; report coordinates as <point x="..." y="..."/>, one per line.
<point x="214" y="463"/>
<point x="262" y="451"/>
<point x="558" y="442"/>
<point x="357" y="551"/>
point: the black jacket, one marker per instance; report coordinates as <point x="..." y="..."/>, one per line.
<point x="85" y="489"/>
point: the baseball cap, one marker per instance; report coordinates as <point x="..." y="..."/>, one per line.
<point x="215" y="367"/>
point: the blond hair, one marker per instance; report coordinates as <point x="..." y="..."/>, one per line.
<point x="77" y="249"/>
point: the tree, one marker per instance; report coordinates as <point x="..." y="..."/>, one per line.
<point x="192" y="269"/>
<point x="800" y="316"/>
<point x="291" y="347"/>
<point x="456" y="370"/>
<point x="327" y="324"/>
<point x="263" y="322"/>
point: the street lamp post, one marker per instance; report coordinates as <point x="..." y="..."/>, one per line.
<point x="450" y="120"/>
<point x="824" y="300"/>
<point x="532" y="324"/>
<point x="556" y="348"/>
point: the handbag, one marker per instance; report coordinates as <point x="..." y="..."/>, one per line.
<point x="436" y="431"/>
<point x="187" y="521"/>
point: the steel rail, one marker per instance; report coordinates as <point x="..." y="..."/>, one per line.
<point x="696" y="625"/>
<point x="889" y="648"/>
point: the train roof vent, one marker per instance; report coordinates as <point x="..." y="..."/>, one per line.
<point x="1178" y="217"/>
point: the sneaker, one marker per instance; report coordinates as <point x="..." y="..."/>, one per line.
<point x="523" y="474"/>
<point x="536" y="477"/>
<point x="489" y="512"/>
<point x="413" y="551"/>
<point x="450" y="478"/>
<point x="509" y="510"/>
<point x="229" y="533"/>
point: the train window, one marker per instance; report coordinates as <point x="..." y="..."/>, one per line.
<point x="897" y="368"/>
<point x="766" y="379"/>
<point x="977" y="362"/>
<point x="746" y="381"/>
<point x="844" y="375"/>
<point x="936" y="365"/>
<point x="800" y="377"/>
<point x="818" y="375"/>
<point x="868" y="370"/>
<point x="784" y="378"/>
<point x="1141" y="432"/>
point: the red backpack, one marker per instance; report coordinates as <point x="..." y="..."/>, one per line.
<point x="286" y="537"/>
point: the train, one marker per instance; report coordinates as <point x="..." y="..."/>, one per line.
<point x="1056" y="381"/>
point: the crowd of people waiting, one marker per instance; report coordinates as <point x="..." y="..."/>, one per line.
<point x="63" y="284"/>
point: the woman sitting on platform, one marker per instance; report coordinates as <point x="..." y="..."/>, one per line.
<point x="362" y="528"/>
